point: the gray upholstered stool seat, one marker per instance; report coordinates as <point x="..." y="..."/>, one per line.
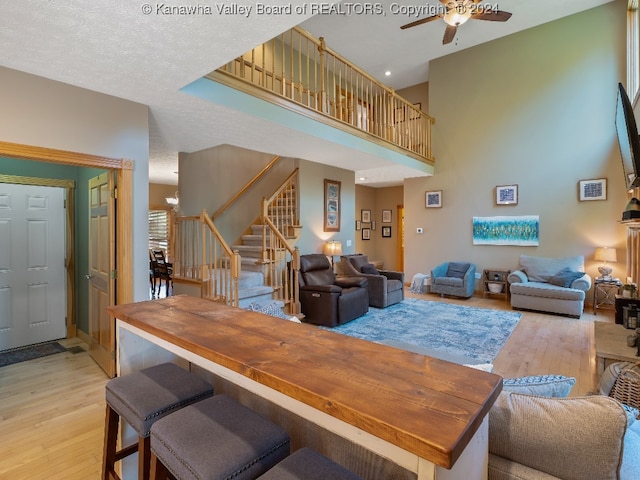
<point x="307" y="464"/>
<point x="215" y="439"/>
<point x="140" y="399"/>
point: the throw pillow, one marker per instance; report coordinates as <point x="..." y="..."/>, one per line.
<point x="565" y="277"/>
<point x="370" y="269"/>
<point x="542" y="385"/>
<point x="571" y="438"/>
<point x="457" y="269"/>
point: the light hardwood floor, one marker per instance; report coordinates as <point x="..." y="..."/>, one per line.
<point x="52" y="409"/>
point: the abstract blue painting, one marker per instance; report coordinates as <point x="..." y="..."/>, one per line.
<point x="522" y="230"/>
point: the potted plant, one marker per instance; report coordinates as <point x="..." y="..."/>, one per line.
<point x="629" y="290"/>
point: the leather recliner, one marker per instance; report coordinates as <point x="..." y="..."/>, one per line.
<point x="386" y="287"/>
<point x="328" y="300"/>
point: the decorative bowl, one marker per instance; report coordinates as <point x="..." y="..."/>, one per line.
<point x="495" y="287"/>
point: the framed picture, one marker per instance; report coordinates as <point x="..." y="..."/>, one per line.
<point x="365" y="216"/>
<point x="366" y="234"/>
<point x="386" y="216"/>
<point x="433" y="199"/>
<point x="358" y="225"/>
<point x="386" y="232"/>
<point x="594" y="189"/>
<point x="507" y="195"/>
<point x="331" y="205"/>
<point x="373" y="225"/>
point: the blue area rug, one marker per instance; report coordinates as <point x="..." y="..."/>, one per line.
<point x="451" y="332"/>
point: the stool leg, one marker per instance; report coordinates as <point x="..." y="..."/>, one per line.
<point x="158" y="470"/>
<point x="144" y="457"/>
<point x="110" y="441"/>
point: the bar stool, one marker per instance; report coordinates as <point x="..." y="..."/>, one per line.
<point x="217" y="438"/>
<point x="307" y="464"/>
<point x="140" y="399"/>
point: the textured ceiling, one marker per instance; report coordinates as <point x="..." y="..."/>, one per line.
<point x="120" y="49"/>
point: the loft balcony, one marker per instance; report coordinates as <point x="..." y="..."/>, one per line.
<point x="297" y="71"/>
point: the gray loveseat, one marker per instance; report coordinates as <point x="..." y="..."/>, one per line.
<point x="555" y="285"/>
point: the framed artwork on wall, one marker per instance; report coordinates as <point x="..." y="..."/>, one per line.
<point x="386" y="232"/>
<point x="366" y="234"/>
<point x="507" y="195"/>
<point x="594" y="189"/>
<point x="433" y="199"/>
<point x="331" y="205"/>
<point x="365" y="216"/>
<point x="358" y="225"/>
<point x="386" y="216"/>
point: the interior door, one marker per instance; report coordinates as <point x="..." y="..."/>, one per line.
<point x="32" y="272"/>
<point x="101" y="272"/>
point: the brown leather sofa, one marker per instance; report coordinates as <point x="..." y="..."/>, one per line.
<point x="328" y="300"/>
<point x="386" y="287"/>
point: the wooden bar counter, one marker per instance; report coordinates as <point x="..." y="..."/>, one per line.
<point x="425" y="414"/>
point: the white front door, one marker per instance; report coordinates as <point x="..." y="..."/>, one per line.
<point x="32" y="272"/>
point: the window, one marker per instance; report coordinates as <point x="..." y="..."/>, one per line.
<point x="160" y="230"/>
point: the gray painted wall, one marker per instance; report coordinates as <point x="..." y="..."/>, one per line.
<point x="534" y="109"/>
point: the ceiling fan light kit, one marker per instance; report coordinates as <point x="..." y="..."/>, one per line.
<point x="458" y="12"/>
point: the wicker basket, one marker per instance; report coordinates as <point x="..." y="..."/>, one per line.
<point x="626" y="389"/>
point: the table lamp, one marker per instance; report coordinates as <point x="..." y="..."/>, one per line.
<point x="332" y="248"/>
<point x="605" y="254"/>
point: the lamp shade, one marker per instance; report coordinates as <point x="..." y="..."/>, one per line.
<point x="605" y="254"/>
<point x="332" y="248"/>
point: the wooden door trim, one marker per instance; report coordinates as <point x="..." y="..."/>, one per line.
<point x="124" y="212"/>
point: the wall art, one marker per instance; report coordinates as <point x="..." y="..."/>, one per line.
<point x="331" y="205"/>
<point x="507" y="195"/>
<point x="595" y="189"/>
<point x="433" y="199"/>
<point x="521" y="230"/>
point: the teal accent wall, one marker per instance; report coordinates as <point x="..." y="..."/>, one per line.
<point x="81" y="176"/>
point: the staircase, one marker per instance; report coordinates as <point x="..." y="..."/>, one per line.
<point x="259" y="247"/>
<point x="259" y="269"/>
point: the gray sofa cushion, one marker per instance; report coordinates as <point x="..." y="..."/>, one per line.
<point x="546" y="290"/>
<point x="457" y="269"/>
<point x="565" y="277"/>
<point x="541" y="269"/>
<point x="570" y="438"/>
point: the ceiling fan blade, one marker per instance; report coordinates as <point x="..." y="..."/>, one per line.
<point x="421" y="21"/>
<point x="492" y="16"/>
<point x="449" y="34"/>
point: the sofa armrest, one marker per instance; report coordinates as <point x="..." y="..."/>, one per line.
<point x="582" y="283"/>
<point x="576" y="437"/>
<point x="518" y="276"/>
<point x="391" y="275"/>
<point x="348" y="282"/>
<point x="439" y="271"/>
<point x="321" y="288"/>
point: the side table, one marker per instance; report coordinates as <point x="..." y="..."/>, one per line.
<point x="495" y="282"/>
<point x="605" y="294"/>
<point x="622" y="302"/>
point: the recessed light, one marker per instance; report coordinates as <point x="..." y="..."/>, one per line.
<point x="362" y="178"/>
<point x="387" y="73"/>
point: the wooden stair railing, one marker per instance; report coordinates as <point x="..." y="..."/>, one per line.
<point x="282" y="266"/>
<point x="301" y="69"/>
<point x="202" y="255"/>
<point x="246" y="188"/>
<point x="282" y="207"/>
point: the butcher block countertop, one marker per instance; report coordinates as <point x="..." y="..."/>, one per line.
<point x="426" y="406"/>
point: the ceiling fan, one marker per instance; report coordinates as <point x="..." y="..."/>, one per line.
<point x="457" y="12"/>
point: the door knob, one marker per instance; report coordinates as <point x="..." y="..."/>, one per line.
<point x="88" y="276"/>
